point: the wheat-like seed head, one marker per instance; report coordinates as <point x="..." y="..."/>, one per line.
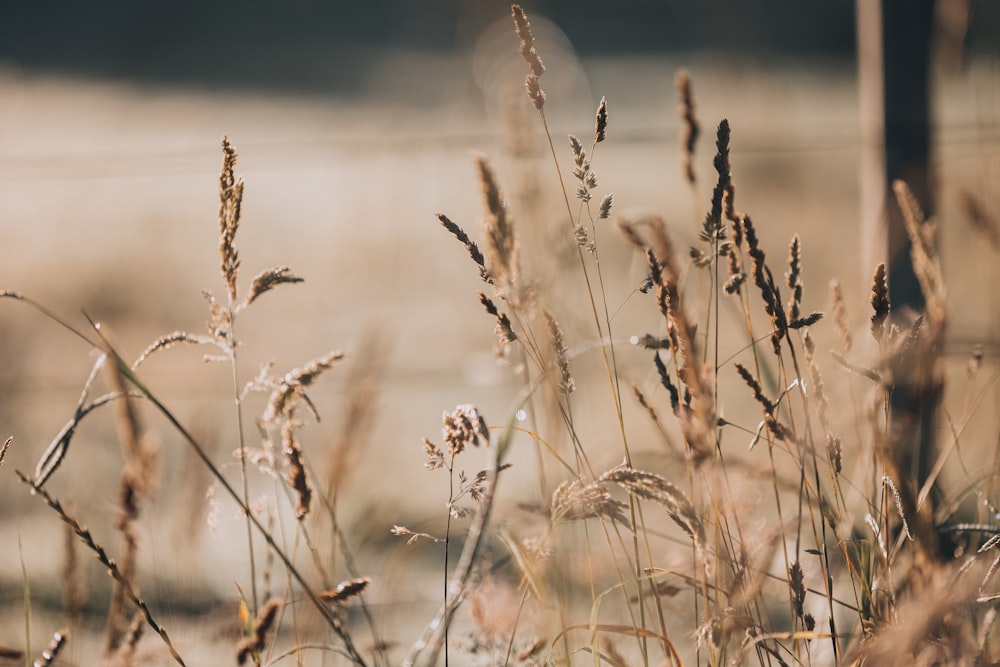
<point x="345" y="590"/>
<point x="758" y="391"/>
<point x="293" y="385"/>
<point x="880" y="303"/>
<point x="689" y="123"/>
<point x="297" y="478"/>
<point x="230" y="207"/>
<point x="503" y="330"/>
<point x="501" y="241"/>
<point x="713" y="221"/>
<point x="112" y="567"/>
<point x="651" y="486"/>
<point x="793" y="278"/>
<point x="566" y="382"/>
<point x="604" y="210"/>
<point x="474" y="252"/>
<point x="924" y="255"/>
<point x="668" y="384"/>
<point x="51" y="652"/>
<point x="889" y="484"/>
<point x="463" y="427"/>
<point x="601" y="122"/>
<point x="254" y="644"/>
<point x="527" y="46"/>
<point x="266" y="281"/>
<point x="527" y="50"/>
<point x="840" y="316"/>
<point x="737" y="276"/>
<point x="765" y="282"/>
<point x="576" y="501"/>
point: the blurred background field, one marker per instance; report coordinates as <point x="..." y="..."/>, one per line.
<point x="354" y="127"/>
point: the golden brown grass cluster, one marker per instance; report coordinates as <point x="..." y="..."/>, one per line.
<point x="770" y="492"/>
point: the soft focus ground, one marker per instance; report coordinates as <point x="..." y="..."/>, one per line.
<point x="108" y="196"/>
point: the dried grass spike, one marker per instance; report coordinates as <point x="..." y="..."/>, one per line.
<point x="435" y="457"/>
<point x="52" y="651"/>
<point x="794" y="277"/>
<point x="689" y="123"/>
<point x="835" y="453"/>
<point x="3" y="450"/>
<point x="735" y="263"/>
<point x="880" y="303"/>
<point x="601" y="122"/>
<point x="604" y="211"/>
<point x="889" y="484"/>
<point x="722" y="168"/>
<point x="109" y="564"/>
<point x="474" y="252"/>
<point x="758" y="392"/>
<point x="651" y="486"/>
<point x="266" y="281"/>
<point x="527" y="46"/>
<point x="169" y="340"/>
<point x="504" y="332"/>
<point x="566" y="382"/>
<point x="254" y="644"/>
<point x="345" y="590"/>
<point x="297" y="478"/>
<point x="779" y="430"/>
<point x="640" y="397"/>
<point x="908" y="204"/>
<point x="661" y="370"/>
<point x="230" y="208"/>
<point x="464" y="427"/>
<point x="576" y="501"/>
<point x="796" y="580"/>
<point x="868" y="373"/>
<point x="807" y="321"/>
<point x="220" y="324"/>
<point x="579" y="155"/>
<point x="527" y="50"/>
<point x="501" y="242"/>
<point x="293" y="386"/>
<point x="535" y="92"/>
<point x="840" y="316"/>
<point x="924" y="255"/>
<point x="137" y="480"/>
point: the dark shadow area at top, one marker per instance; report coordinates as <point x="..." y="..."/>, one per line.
<point x="313" y="46"/>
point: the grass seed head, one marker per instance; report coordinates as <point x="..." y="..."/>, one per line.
<point x="254" y="644"/>
<point x="501" y="241"/>
<point x="463" y="427"/>
<point x="690" y="128"/>
<point x="880" y="303"/>
<point x="230" y="210"/>
<point x="527" y="50"/>
<point x="601" y="122"/>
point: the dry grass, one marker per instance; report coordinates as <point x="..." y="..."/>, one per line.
<point x="752" y="500"/>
